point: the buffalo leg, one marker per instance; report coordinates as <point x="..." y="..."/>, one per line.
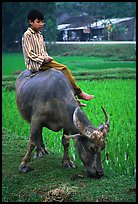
<point x="40" y="151"/>
<point x="36" y="132"/>
<point x="66" y="161"/>
<point x="25" y="164"/>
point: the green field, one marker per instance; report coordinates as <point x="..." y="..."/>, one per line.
<point x="113" y="82"/>
<point x="13" y="62"/>
<point x="121" y="139"/>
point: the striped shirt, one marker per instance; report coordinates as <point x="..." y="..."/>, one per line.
<point x="34" y="49"/>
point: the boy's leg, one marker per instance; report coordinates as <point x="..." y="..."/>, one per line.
<point x="64" y="69"/>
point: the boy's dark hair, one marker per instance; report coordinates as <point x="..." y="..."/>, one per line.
<point x="35" y="14"/>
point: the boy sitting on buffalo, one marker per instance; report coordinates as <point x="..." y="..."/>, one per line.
<point x="36" y="57"/>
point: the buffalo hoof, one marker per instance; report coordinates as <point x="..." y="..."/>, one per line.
<point x="41" y="153"/>
<point x="68" y="164"/>
<point x="45" y="151"/>
<point x="24" y="169"/>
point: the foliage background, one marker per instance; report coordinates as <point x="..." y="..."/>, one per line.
<point x="14" y="17"/>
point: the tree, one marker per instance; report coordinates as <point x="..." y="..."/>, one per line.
<point x="14" y="22"/>
<point x="95" y="9"/>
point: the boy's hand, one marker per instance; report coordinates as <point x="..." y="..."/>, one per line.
<point x="48" y="59"/>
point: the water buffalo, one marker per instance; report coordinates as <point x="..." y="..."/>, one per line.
<point x="46" y="99"/>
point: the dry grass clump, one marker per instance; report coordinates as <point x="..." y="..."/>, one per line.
<point x="61" y="194"/>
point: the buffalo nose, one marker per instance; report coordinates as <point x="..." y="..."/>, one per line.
<point x="96" y="174"/>
<point x="99" y="174"/>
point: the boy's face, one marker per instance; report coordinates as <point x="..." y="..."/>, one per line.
<point x="37" y="25"/>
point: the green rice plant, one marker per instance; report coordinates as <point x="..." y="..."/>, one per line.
<point x="118" y="97"/>
<point x="11" y="119"/>
<point x="77" y="63"/>
<point x="8" y="85"/>
<point x="12" y="62"/>
<point x="15" y="62"/>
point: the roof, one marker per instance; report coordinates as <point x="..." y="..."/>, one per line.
<point x="82" y="22"/>
<point x="76" y="22"/>
<point x="100" y="24"/>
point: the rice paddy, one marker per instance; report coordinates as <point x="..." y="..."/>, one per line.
<point x="119" y="99"/>
<point x="114" y="86"/>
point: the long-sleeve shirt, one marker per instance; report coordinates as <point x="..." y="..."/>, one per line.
<point x="34" y="49"/>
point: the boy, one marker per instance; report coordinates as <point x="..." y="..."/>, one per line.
<point x="35" y="54"/>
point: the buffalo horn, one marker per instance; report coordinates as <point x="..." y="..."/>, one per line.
<point x="106" y="117"/>
<point x="104" y="127"/>
<point x="79" y="125"/>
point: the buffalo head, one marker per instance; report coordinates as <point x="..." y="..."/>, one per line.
<point x="90" y="142"/>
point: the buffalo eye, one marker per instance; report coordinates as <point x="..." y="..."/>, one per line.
<point x="91" y="148"/>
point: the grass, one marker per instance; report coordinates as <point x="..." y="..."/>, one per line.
<point x="118" y="185"/>
<point x="92" y="67"/>
<point x="79" y="57"/>
<point x="114" y="52"/>
<point x="93" y="63"/>
<point x="120" y="116"/>
<point x="48" y="174"/>
<point x="75" y="63"/>
<point x="12" y="62"/>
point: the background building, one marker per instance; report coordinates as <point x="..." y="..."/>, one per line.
<point x="83" y="28"/>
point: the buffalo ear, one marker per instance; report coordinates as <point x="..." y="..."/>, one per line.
<point x="77" y="137"/>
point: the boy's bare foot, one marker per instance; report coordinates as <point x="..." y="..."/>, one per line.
<point x="85" y="96"/>
<point x="80" y="104"/>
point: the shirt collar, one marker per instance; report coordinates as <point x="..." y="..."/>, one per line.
<point x="32" y="31"/>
